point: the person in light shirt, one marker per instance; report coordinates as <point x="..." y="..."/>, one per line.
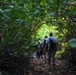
<point x="51" y="51"/>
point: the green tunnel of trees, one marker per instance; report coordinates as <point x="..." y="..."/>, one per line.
<point x="22" y="20"/>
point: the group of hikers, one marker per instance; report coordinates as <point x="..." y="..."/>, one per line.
<point x="49" y="46"/>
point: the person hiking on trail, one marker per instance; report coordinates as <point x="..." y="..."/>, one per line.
<point x="38" y="50"/>
<point x="42" y="46"/>
<point x="52" y="44"/>
<point x="38" y="53"/>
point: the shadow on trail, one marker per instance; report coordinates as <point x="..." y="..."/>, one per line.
<point x="33" y="66"/>
<point x="40" y="67"/>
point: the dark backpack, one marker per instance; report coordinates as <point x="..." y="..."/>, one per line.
<point x="52" y="44"/>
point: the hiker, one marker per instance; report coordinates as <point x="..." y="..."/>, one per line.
<point x="42" y="46"/>
<point x="38" y="53"/>
<point x="52" y="44"/>
<point x="38" y="50"/>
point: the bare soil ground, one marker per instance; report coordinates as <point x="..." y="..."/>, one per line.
<point x="40" y="67"/>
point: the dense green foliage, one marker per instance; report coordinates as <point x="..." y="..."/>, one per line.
<point x="25" y="22"/>
<point x="22" y="20"/>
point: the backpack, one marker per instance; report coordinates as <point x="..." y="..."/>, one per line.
<point x="52" y="44"/>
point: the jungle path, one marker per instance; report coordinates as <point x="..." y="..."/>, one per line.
<point x="39" y="67"/>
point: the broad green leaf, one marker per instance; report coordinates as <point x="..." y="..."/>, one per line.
<point x="72" y="42"/>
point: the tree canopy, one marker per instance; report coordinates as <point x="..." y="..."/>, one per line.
<point x="19" y="17"/>
<point x="25" y="22"/>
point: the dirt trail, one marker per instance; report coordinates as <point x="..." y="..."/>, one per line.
<point x="39" y="67"/>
